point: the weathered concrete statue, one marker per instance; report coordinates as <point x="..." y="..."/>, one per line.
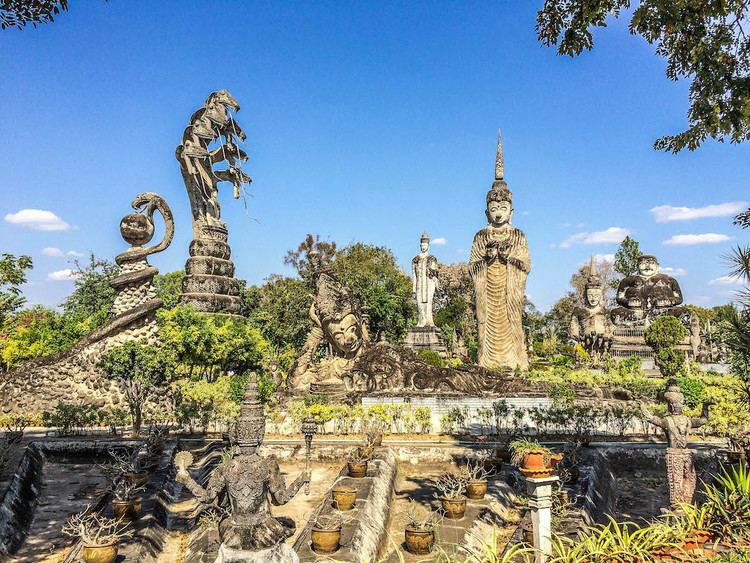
<point x="677" y="426"/>
<point x="499" y="264"/>
<point x="338" y="320"/>
<point x="209" y="284"/>
<point x="589" y="325"/>
<point x="648" y="294"/>
<point x="248" y="480"/>
<point x="424" y="269"/>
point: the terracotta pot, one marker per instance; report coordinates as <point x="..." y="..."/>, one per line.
<point x="357" y="469"/>
<point x="454" y="508"/>
<point x="476" y="490"/>
<point x="138" y="479"/>
<point x="419" y="542"/>
<point x="533" y="464"/>
<point x="127" y="509"/>
<point x="344" y="497"/>
<point x="99" y="553"/>
<point x="325" y="541"/>
<point x="533" y="460"/>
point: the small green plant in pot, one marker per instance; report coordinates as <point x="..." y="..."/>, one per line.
<point x="419" y="533"/>
<point x="326" y="533"/>
<point x="533" y="459"/>
<point x="452" y="495"/>
<point x="98" y="534"/>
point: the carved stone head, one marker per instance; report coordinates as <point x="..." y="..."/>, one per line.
<point x="675" y="399"/>
<point x="424" y="242"/>
<point x="499" y="204"/>
<point x="648" y="265"/>
<point x="593" y="295"/>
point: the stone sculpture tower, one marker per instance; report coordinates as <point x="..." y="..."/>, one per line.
<point x="210" y="138"/>
<point x="498" y="265"/>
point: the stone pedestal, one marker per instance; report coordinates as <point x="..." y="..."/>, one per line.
<point x="209" y="285"/>
<point x="425" y="338"/>
<point x="539" y="492"/>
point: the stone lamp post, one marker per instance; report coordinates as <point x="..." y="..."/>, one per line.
<point x="308" y="430"/>
<point x="539" y="491"/>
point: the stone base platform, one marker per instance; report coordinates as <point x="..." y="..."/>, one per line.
<point x="425" y="338"/>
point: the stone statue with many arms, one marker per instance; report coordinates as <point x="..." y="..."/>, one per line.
<point x="499" y="265"/>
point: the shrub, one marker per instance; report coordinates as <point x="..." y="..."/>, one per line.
<point x="693" y="389"/>
<point x="629" y="366"/>
<point x="432" y="358"/>
<point x="70" y="419"/>
<point x="663" y="335"/>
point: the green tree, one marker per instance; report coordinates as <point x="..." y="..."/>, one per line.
<point x="626" y="257"/>
<point x="376" y="280"/>
<point x="93" y="296"/>
<point x="663" y="335"/>
<point x="279" y="308"/>
<point x="140" y="369"/>
<point x="20" y="13"/>
<point x="12" y="276"/>
<point x="703" y="41"/>
<point x="169" y="287"/>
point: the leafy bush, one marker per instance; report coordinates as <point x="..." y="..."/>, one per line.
<point x="693" y="389"/>
<point x="629" y="366"/>
<point x="663" y="335"/>
<point x="432" y="358"/>
<point x="70" y="419"/>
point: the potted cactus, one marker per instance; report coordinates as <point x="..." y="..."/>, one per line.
<point x="475" y="474"/>
<point x="98" y="534"/>
<point x="533" y="459"/>
<point x="419" y="533"/>
<point x="452" y="495"/>
<point x="326" y="533"/>
<point x="357" y="462"/>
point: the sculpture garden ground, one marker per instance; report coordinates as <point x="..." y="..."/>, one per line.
<point x="185" y="417"/>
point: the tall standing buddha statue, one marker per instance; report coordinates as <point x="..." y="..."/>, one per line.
<point x="499" y="265"/>
<point x="424" y="281"/>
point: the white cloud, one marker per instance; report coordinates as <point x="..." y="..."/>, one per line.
<point x="605" y="258"/>
<point x="52" y="251"/>
<point x="689" y="240"/>
<point x="666" y="213"/>
<point x="439" y="241"/>
<point x="37" y="219"/>
<point x="62" y="275"/>
<point x="74" y="253"/>
<point x="612" y="235"/>
<point x="727" y="280"/>
<point x="674" y="272"/>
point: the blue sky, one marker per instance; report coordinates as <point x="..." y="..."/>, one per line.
<point x="366" y="122"/>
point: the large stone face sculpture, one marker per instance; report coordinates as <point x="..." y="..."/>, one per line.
<point x="209" y="284"/>
<point x="648" y="294"/>
<point x="589" y="324"/>
<point x="499" y="264"/>
<point x="247" y="481"/>
<point x="677" y="426"/>
<point x="424" y="270"/>
<point x="337" y="319"/>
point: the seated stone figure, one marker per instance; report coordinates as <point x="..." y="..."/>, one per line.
<point x="338" y="320"/>
<point x="248" y="480"/>
<point x="589" y="325"/>
<point x="648" y="294"/>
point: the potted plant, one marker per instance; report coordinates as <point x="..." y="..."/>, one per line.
<point x="99" y="535"/>
<point x="357" y="462"/>
<point x="452" y="495"/>
<point x="326" y="533"/>
<point x="129" y="464"/>
<point x="475" y="475"/>
<point x="126" y="503"/>
<point x="344" y="497"/>
<point x="533" y="459"/>
<point x="419" y="533"/>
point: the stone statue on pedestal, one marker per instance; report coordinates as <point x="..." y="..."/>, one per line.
<point x="647" y="295"/>
<point x="249" y="532"/>
<point x="209" y="284"/>
<point x="424" y="269"/>
<point x="499" y="264"/>
<point x="424" y="281"/>
<point x="677" y="426"/>
<point x="589" y="324"/>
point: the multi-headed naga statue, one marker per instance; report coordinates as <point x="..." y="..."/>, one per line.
<point x="211" y="138"/>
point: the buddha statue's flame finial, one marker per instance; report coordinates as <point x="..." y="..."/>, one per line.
<point x="499" y="164"/>
<point x="592" y="266"/>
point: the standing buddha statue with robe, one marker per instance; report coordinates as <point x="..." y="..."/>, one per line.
<point x="424" y="281"/>
<point x="498" y="265"/>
